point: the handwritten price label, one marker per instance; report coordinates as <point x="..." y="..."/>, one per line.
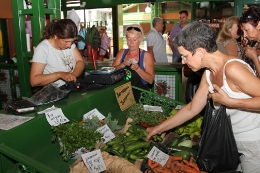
<point x="153" y="108"/>
<point x="56" y="117"/>
<point x="92" y="113"/>
<point x="107" y="133"/>
<point x="94" y="161"/>
<point x="158" y="156"/>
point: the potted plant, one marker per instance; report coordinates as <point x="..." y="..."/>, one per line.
<point x="92" y="40"/>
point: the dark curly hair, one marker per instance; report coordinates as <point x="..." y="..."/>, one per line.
<point x="62" y="28"/>
<point x="251" y="15"/>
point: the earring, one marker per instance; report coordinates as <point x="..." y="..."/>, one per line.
<point x="201" y="60"/>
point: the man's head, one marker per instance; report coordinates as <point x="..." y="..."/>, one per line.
<point x="158" y="24"/>
<point x="183" y="14"/>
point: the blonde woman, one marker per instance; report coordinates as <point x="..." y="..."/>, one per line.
<point x="138" y="63"/>
<point x="228" y="35"/>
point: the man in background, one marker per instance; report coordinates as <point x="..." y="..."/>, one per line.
<point x="156" y="44"/>
<point x="176" y="57"/>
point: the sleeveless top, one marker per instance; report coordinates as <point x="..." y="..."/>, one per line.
<point x="240" y="50"/>
<point x="245" y="124"/>
<point x="133" y="76"/>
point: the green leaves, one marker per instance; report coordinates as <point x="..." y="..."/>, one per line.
<point x="91" y="36"/>
<point x="74" y="136"/>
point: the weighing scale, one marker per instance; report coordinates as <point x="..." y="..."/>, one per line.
<point x="104" y="76"/>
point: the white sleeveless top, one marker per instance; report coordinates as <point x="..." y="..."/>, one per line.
<point x="245" y="124"/>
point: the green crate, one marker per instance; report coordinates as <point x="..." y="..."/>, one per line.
<point x="153" y="99"/>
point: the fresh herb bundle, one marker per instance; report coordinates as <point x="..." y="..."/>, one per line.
<point x="138" y="114"/>
<point x="94" y="123"/>
<point x="73" y="136"/>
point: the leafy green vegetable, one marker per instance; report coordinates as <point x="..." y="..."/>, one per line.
<point x="73" y="136"/>
<point x="94" y="123"/>
<point x="138" y="114"/>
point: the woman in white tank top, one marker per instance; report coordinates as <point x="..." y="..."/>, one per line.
<point x="228" y="81"/>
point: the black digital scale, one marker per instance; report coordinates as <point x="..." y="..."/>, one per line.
<point x="104" y="76"/>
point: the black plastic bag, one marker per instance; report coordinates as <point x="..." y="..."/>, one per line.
<point x="193" y="83"/>
<point x="217" y="148"/>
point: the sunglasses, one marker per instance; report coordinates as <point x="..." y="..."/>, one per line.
<point x="134" y="28"/>
<point x="245" y="17"/>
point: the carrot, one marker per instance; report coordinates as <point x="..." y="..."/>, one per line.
<point x="161" y="170"/>
<point x="190" y="170"/>
<point x="186" y="162"/>
<point x="149" y="162"/>
<point x="191" y="159"/>
<point x="195" y="166"/>
<point x="168" y="163"/>
<point x="176" y="158"/>
<point x="154" y="165"/>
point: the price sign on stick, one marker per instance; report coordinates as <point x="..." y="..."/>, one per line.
<point x="94" y="161"/>
<point x="158" y="156"/>
<point x="106" y="131"/>
<point x="56" y="117"/>
<point x="124" y="96"/>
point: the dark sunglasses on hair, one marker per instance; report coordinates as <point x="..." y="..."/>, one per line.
<point x="135" y="28"/>
<point x="246" y="17"/>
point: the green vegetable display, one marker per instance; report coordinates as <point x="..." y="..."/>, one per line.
<point x="74" y="136"/>
<point x="138" y="114"/>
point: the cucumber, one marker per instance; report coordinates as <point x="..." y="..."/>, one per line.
<point x="175" y="141"/>
<point x="119" y="137"/>
<point x="184" y="154"/>
<point x="137" y="146"/>
<point x="185" y="137"/>
<point x="193" y="152"/>
<point x="117" y="153"/>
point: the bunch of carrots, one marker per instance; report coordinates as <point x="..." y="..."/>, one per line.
<point x="175" y="164"/>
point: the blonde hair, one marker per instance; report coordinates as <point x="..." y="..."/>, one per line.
<point x="133" y="31"/>
<point x="224" y="33"/>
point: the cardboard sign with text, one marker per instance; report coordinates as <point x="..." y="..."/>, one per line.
<point x="124" y="96"/>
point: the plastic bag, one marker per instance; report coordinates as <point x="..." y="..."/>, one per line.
<point x="48" y="94"/>
<point x="217" y="148"/>
<point x="193" y="83"/>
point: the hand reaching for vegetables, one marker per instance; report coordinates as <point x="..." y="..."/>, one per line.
<point x="152" y="131"/>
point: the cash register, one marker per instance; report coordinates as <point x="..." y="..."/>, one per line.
<point x="104" y="76"/>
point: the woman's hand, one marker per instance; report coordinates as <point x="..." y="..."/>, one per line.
<point x="251" y="53"/>
<point x="127" y="62"/>
<point x="68" y="77"/>
<point x="152" y="131"/>
<point x="134" y="66"/>
<point x="219" y="95"/>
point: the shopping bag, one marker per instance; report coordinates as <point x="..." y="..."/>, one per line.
<point x="217" y="148"/>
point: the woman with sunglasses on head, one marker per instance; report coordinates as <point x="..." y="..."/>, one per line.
<point x="250" y="26"/>
<point x="228" y="81"/>
<point x="138" y="63"/>
<point x="56" y="59"/>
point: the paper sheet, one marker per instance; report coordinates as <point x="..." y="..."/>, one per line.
<point x="10" y="121"/>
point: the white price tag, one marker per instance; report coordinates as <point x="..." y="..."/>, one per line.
<point x="92" y="113"/>
<point x="94" y="161"/>
<point x="56" y="117"/>
<point x="157" y="155"/>
<point x="179" y="106"/>
<point x="106" y="131"/>
<point x="153" y="108"/>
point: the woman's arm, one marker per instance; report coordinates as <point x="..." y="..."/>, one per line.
<point x="240" y="79"/>
<point x="148" y="73"/>
<point x="186" y="113"/>
<point x="252" y="54"/>
<point x="79" y="67"/>
<point x="117" y="64"/>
